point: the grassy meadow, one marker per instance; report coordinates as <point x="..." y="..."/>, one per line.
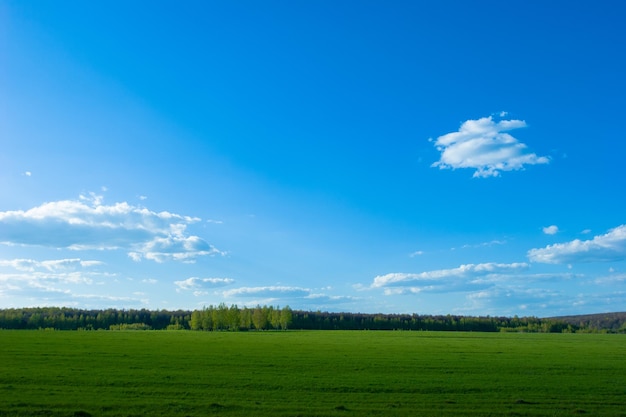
<point x="312" y="373"/>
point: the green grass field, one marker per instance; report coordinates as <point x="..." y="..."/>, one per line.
<point x="354" y="373"/>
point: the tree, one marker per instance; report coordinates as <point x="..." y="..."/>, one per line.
<point x="233" y="318"/>
<point x="196" y="320"/>
<point x="274" y="317"/>
<point x="207" y="318"/>
<point x="286" y="318"/>
<point x="220" y="317"/>
<point x="245" y="318"/>
<point x="259" y="318"/>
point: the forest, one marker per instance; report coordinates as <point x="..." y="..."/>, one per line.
<point x="234" y="318"/>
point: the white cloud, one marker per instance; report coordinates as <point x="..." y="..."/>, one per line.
<point x="483" y="244"/>
<point x="551" y="230"/>
<point x="109" y="301"/>
<point x="87" y="223"/>
<point x="58" y="282"/>
<point x="484" y="145"/>
<point x="34" y="279"/>
<point x="445" y="278"/>
<point x="511" y="300"/>
<point x="31" y="265"/>
<point x="178" y="248"/>
<point x="269" y="291"/>
<point x="603" y="248"/>
<point x="611" y="279"/>
<point x="298" y="297"/>
<point x="195" y="283"/>
<point x="38" y="278"/>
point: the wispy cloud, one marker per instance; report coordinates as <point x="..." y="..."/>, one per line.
<point x="470" y="276"/>
<point x="305" y="298"/>
<point x="484" y="145"/>
<point x="88" y="223"/>
<point x="611" y="279"/>
<point x="483" y="244"/>
<point x="608" y="247"/>
<point x="199" y="285"/>
<point x="512" y="300"/>
<point x="49" y="281"/>
<point x="111" y="299"/>
<point x="63" y="282"/>
<point x="551" y="230"/>
<point x="268" y="291"/>
<point x="31" y="265"/>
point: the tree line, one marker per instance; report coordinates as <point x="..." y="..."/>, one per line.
<point x="63" y="318"/>
<point x="234" y="318"/>
<point x="358" y="321"/>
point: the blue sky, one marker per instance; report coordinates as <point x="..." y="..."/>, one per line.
<point x="405" y="157"/>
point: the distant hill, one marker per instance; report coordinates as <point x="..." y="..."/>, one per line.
<point x="601" y="321"/>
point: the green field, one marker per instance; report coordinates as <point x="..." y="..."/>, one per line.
<point x="357" y="373"/>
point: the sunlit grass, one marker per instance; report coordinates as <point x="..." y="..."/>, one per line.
<point x="310" y="374"/>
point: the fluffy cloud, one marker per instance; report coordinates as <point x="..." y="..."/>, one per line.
<point x="178" y="248"/>
<point x="465" y="277"/>
<point x="551" y="230"/>
<point x="484" y="145"/>
<point x="603" y="248"/>
<point x="87" y="223"/>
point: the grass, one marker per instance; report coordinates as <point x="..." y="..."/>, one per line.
<point x="310" y="374"/>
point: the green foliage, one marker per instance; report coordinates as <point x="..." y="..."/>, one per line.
<point x="286" y="318"/>
<point x="77" y="319"/>
<point x="259" y="317"/>
<point x="595" y="323"/>
<point x="131" y="326"/>
<point x="233" y="318"/>
<point x="310" y="374"/>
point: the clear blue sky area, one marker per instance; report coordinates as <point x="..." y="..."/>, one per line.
<point x="440" y="157"/>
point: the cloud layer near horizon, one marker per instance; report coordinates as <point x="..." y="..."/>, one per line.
<point x="484" y="145"/>
<point x="88" y="224"/>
